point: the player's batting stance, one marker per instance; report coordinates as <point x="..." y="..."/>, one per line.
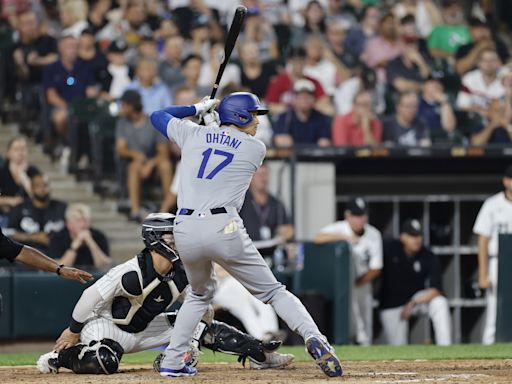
<point x="123" y="313"/>
<point x="217" y="167"/>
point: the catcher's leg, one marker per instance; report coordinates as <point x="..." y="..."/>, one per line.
<point x="98" y="357"/>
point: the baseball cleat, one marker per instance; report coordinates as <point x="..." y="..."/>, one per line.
<point x="324" y="356"/>
<point x="273" y="360"/>
<point x="48" y="363"/>
<point x="186" y="371"/>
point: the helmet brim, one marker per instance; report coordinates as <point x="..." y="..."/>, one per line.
<point x="260" y="111"/>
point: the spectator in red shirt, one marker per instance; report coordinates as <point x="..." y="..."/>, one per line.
<point x="280" y="90"/>
<point x="359" y="126"/>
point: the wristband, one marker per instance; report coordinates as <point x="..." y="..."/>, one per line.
<point x="75" y="326"/>
<point x="58" y="269"/>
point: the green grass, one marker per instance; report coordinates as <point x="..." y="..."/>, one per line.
<point x="350" y="353"/>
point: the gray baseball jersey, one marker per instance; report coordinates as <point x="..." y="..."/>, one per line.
<point x="217" y="166"/>
<point x="219" y="163"/>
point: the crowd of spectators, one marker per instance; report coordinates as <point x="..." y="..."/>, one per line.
<point x="333" y="72"/>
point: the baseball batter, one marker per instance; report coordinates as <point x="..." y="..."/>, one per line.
<point x="217" y="166"/>
<point x="494" y="218"/>
<point x="124" y="313"/>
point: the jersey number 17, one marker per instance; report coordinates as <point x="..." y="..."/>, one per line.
<point x="206" y="157"/>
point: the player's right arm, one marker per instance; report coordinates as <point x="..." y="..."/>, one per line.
<point x="104" y="290"/>
<point x="90" y="298"/>
<point x="483" y="257"/>
<point x="483" y="228"/>
<point x="329" y="234"/>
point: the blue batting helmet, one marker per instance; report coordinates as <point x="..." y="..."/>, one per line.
<point x="236" y="108"/>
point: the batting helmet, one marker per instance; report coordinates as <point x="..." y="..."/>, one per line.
<point x="154" y="227"/>
<point x="236" y="108"/>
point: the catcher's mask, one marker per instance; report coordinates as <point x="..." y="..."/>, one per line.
<point x="154" y="227"/>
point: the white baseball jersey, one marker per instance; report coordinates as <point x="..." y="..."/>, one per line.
<point x="494" y="218"/>
<point x="367" y="253"/>
<point x="219" y="163"/>
<point x="133" y="294"/>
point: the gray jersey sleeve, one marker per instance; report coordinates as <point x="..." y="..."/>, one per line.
<point x="179" y="130"/>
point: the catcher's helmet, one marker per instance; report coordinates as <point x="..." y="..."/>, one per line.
<point x="153" y="228"/>
<point x="236" y="108"/>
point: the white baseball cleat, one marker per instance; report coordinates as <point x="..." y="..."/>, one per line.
<point x="273" y="360"/>
<point x="47" y="362"/>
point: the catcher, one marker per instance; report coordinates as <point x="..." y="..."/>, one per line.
<point x="124" y="312"/>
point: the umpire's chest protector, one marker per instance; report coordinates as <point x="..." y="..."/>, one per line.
<point x="144" y="294"/>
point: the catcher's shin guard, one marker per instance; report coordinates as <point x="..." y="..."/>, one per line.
<point x="225" y="338"/>
<point x="99" y="357"/>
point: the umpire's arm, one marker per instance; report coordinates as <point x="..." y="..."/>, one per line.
<point x="35" y="259"/>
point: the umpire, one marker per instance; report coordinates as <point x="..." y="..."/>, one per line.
<point x="11" y="250"/>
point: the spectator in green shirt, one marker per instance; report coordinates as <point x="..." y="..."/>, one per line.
<point x="446" y="38"/>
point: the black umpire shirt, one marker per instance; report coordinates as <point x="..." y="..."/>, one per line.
<point x="9" y="249"/>
<point x="402" y="276"/>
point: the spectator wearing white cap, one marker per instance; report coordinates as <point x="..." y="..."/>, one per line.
<point x="302" y="124"/>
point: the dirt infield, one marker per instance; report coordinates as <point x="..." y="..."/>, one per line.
<point x="456" y="371"/>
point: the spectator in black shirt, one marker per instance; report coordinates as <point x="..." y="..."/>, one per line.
<point x="36" y="219"/>
<point x="411" y="285"/>
<point x="34" y="49"/>
<point x="90" y="53"/>
<point x="468" y="55"/>
<point x="264" y="216"/>
<point x="78" y="243"/>
<point x="408" y="71"/>
<point x="255" y="74"/>
<point x="405" y="127"/>
<point x="11" y="250"/>
<point x="15" y="174"/>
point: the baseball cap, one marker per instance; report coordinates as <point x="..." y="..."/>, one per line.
<point x="117" y="46"/>
<point x="200" y="21"/>
<point x="356" y="206"/>
<point x="508" y="171"/>
<point x="412" y="227"/>
<point x="475" y="22"/>
<point x="131" y="97"/>
<point x="304" y="85"/>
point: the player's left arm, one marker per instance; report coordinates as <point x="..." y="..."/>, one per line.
<point x="160" y="119"/>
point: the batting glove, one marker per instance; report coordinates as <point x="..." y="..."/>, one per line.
<point x="205" y="105"/>
<point x="211" y="118"/>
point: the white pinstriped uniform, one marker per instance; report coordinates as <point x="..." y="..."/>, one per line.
<point x="366" y="254"/>
<point x="494" y="218"/>
<point x="101" y="324"/>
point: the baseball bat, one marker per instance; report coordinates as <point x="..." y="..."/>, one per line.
<point x="233" y="33"/>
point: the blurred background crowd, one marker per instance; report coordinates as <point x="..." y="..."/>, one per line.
<point x="80" y="78"/>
